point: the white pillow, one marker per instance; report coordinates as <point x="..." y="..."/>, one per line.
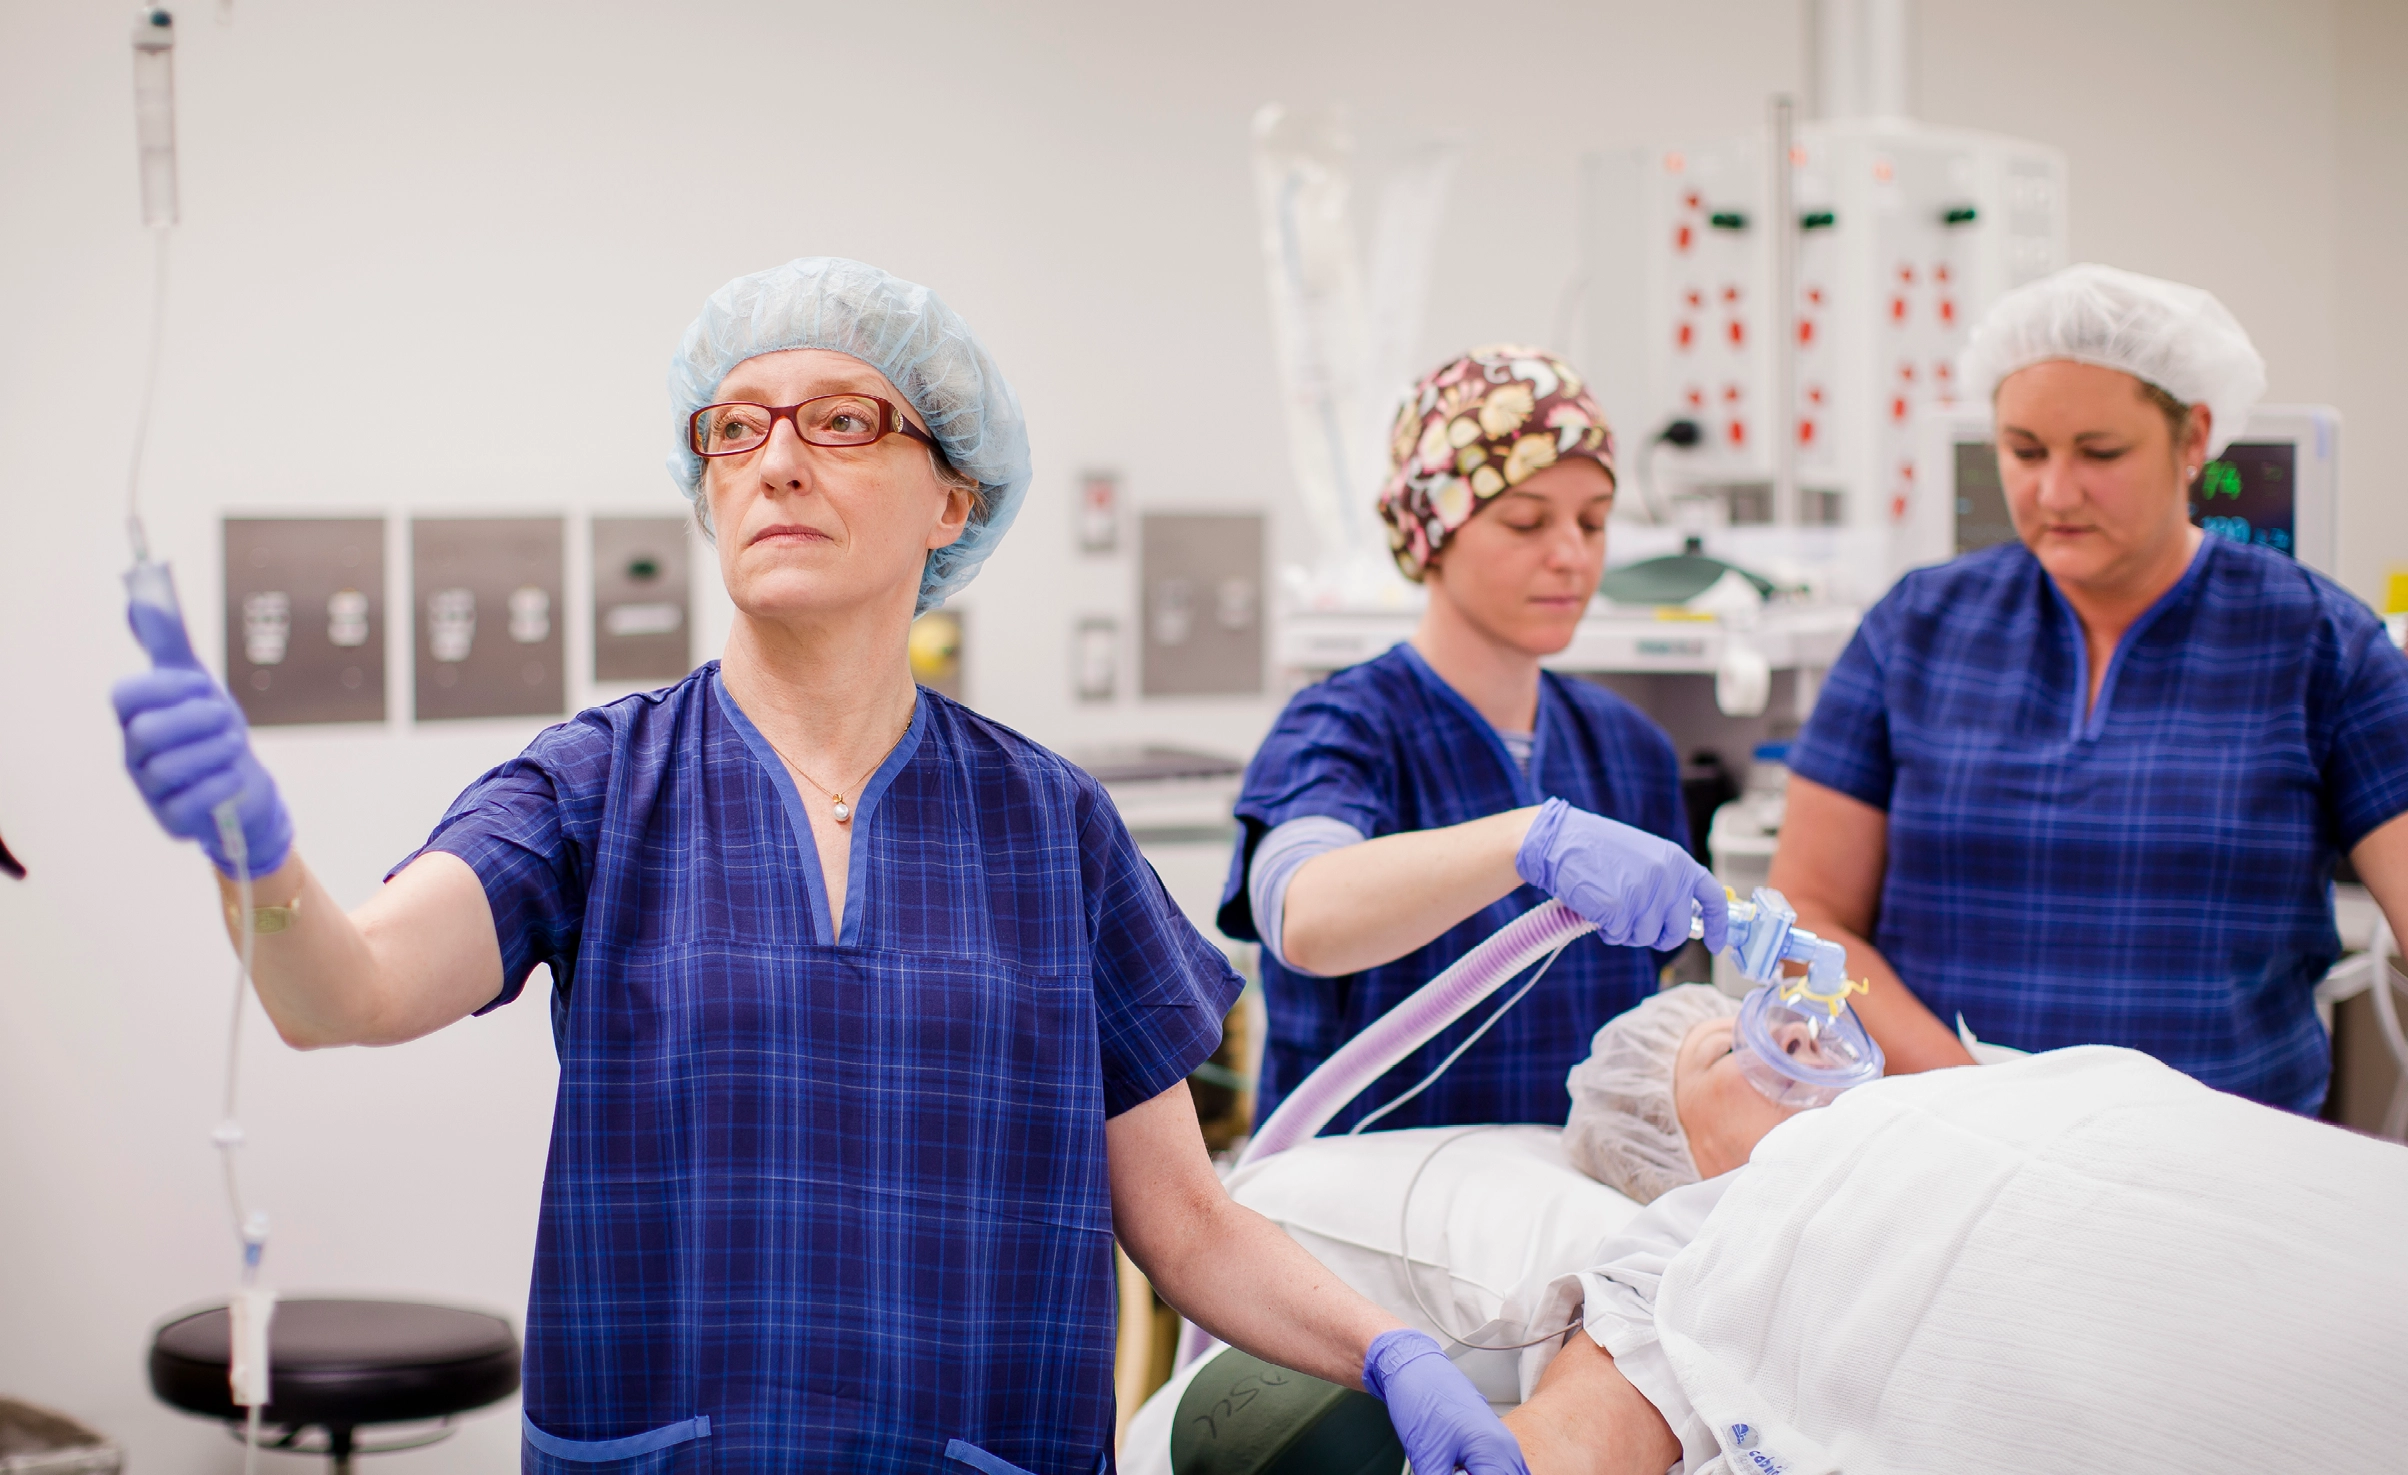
<point x="1495" y="1208"/>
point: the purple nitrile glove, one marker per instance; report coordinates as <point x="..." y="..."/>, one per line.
<point x="1441" y="1419"/>
<point x="188" y="748"/>
<point x="1640" y="889"/>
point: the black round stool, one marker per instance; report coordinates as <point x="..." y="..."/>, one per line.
<point x="339" y="1366"/>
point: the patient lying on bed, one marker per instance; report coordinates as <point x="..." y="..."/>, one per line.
<point x="2079" y="1260"/>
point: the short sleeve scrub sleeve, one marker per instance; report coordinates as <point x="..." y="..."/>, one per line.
<point x="819" y="1203"/>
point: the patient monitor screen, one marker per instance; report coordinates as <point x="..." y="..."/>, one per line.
<point x="2249" y="494"/>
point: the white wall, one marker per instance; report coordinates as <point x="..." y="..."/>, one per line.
<point x="401" y="217"/>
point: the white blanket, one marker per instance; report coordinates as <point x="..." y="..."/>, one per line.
<point x="2080" y="1261"/>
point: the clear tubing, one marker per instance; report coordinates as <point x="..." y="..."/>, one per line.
<point x="155" y="113"/>
<point x="1386" y="1041"/>
<point x="142" y="408"/>
<point x="250" y="1227"/>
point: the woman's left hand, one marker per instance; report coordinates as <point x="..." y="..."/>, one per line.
<point x="1443" y="1422"/>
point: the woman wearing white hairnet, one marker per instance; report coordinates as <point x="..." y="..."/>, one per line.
<point x="873" y="1025"/>
<point x="2089" y="786"/>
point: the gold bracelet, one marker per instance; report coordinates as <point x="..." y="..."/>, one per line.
<point x="265" y="920"/>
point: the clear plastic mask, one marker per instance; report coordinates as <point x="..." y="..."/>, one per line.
<point x="1800" y="1052"/>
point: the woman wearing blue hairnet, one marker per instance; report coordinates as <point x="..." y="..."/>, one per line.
<point x="2089" y="786"/>
<point x="874" y="1027"/>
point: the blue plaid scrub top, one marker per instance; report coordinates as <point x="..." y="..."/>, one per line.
<point x="827" y="1207"/>
<point x="1389" y="747"/>
<point x="2156" y="874"/>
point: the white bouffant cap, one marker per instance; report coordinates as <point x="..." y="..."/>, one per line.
<point x="1624" y="1131"/>
<point x="2179" y="338"/>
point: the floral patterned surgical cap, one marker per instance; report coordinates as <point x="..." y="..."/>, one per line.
<point x="1487" y="421"/>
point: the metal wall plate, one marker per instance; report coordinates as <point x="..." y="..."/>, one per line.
<point x="1202" y="582"/>
<point x="487" y="596"/>
<point x="305" y="618"/>
<point x="643" y="607"/>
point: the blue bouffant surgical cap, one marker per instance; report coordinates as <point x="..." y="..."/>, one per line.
<point x="902" y="330"/>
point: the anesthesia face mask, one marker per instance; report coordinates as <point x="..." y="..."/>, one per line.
<point x="1797" y="1040"/>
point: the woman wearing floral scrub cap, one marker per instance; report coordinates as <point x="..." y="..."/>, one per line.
<point x="1404" y="809"/>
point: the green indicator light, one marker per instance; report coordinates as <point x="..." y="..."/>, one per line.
<point x="2220" y="479"/>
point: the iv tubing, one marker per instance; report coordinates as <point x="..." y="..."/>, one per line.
<point x="142" y="412"/>
<point x="250" y="1229"/>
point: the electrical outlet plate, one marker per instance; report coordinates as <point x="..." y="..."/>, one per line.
<point x="305" y="618"/>
<point x="487" y="592"/>
<point x="1202" y="585"/>
<point x="643" y="607"/>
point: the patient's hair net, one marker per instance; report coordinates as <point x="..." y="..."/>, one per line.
<point x="902" y="330"/>
<point x="1623" y="1130"/>
<point x="2179" y="338"/>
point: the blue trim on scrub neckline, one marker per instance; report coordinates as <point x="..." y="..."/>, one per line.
<point x="798" y="819"/>
<point x="1525" y="784"/>
<point x="601" y="1451"/>
<point x="978" y="1459"/>
<point x="2088" y="725"/>
<point x="872" y="790"/>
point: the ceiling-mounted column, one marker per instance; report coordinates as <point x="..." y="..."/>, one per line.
<point x="1861" y="63"/>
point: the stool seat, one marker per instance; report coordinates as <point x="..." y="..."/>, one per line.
<point x="339" y="1364"/>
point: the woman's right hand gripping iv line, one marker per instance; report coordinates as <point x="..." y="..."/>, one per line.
<point x="1640" y="889"/>
<point x="186" y="743"/>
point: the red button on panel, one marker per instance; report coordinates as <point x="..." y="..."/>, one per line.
<point x="1730" y="294"/>
<point x="1738" y="432"/>
<point x="1695" y="297"/>
<point x="1696" y="398"/>
<point x="1947" y="310"/>
<point x="1685" y="335"/>
<point x="1805" y="432"/>
<point x="1898" y="408"/>
<point x="1681" y="238"/>
<point x="1897" y="309"/>
<point x="1730" y="394"/>
<point x="1738" y="333"/>
<point x="1805" y="332"/>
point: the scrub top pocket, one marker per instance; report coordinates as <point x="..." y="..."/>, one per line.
<point x="682" y="1448"/>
